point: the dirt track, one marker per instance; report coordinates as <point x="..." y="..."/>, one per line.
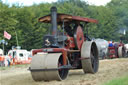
<point x="108" y="70"/>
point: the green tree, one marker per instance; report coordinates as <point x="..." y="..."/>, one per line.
<point x="106" y="27"/>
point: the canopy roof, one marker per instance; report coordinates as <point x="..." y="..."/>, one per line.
<point x="66" y="18"/>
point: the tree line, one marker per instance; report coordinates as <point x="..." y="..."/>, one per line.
<point x="23" y="21"/>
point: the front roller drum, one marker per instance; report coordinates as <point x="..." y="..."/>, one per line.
<point x="89" y="53"/>
<point x="45" y="67"/>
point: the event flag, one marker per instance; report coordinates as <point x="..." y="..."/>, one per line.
<point x="7" y="35"/>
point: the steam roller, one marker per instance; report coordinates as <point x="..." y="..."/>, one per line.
<point x="65" y="47"/>
<point x="118" y="50"/>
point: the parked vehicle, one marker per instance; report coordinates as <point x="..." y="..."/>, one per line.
<point x="15" y="56"/>
<point x="19" y="56"/>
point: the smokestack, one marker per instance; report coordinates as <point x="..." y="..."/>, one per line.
<point x="54" y="20"/>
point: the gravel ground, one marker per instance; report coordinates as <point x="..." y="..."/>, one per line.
<point x="108" y="70"/>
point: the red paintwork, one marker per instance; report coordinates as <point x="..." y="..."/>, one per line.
<point x="112" y="52"/>
<point x="78" y="18"/>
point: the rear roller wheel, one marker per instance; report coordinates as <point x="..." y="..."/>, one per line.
<point x="49" y="62"/>
<point x="121" y="52"/>
<point x="91" y="62"/>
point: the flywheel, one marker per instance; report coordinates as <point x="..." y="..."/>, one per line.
<point x="78" y="37"/>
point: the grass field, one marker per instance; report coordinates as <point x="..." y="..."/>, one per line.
<point x="119" y="81"/>
<point x="14" y="66"/>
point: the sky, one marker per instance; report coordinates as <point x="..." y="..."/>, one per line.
<point x="31" y="2"/>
